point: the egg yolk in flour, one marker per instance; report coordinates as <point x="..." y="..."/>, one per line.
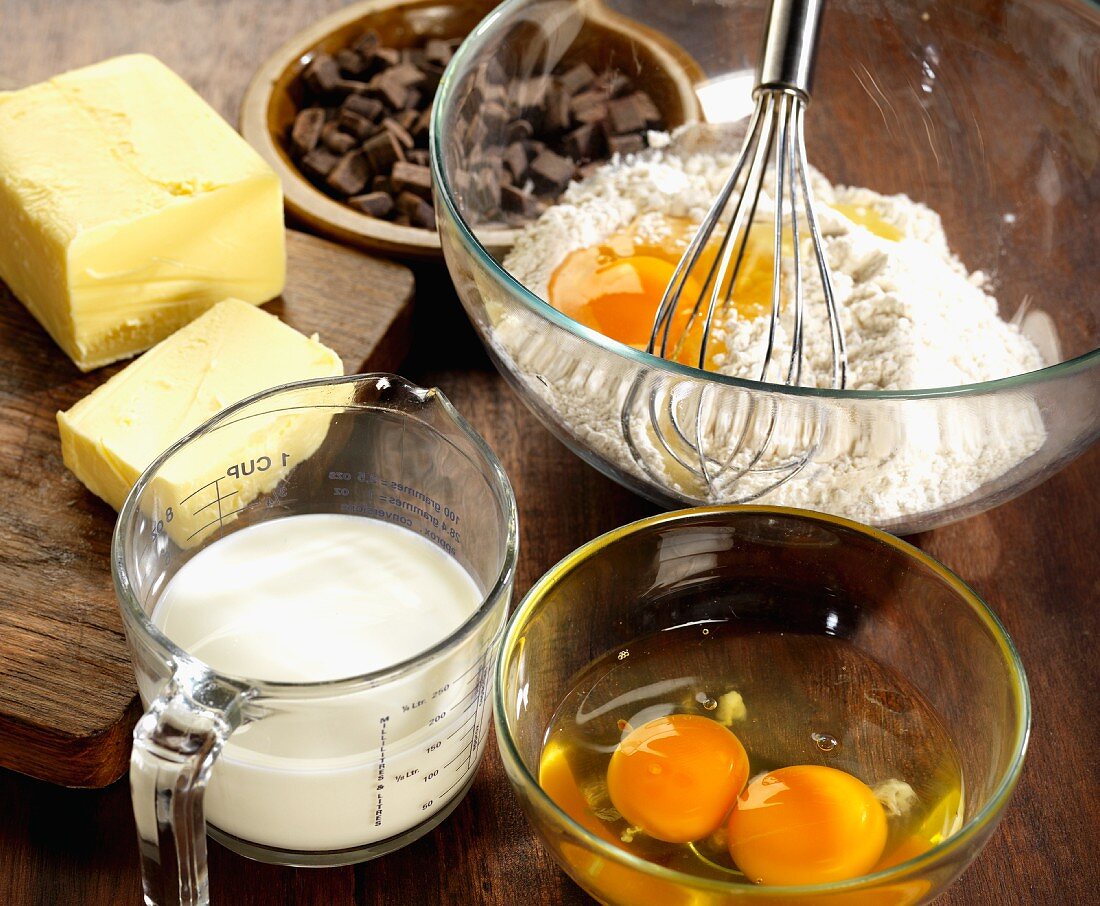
<point x="616" y="286"/>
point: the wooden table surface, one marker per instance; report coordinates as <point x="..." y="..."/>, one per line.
<point x="1034" y="560"/>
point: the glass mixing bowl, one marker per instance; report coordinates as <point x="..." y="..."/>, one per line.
<point x="984" y="111"/>
<point x="819" y="580"/>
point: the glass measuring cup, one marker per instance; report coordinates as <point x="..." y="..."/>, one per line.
<point x="310" y="773"/>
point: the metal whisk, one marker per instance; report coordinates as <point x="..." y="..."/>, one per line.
<point x="774" y="146"/>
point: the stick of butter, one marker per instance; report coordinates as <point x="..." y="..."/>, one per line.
<point x="232" y="351"/>
<point x="128" y="207"/>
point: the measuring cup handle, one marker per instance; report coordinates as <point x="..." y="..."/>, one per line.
<point x="175" y="745"/>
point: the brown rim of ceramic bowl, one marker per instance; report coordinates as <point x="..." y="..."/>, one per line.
<point x="269" y="105"/>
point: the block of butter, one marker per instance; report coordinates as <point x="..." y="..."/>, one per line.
<point x="128" y="207"/>
<point x="230" y="352"/>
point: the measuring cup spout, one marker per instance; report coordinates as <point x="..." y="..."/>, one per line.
<point x="175" y="745"/>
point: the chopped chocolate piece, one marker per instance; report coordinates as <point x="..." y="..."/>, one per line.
<point x="486" y="189"/>
<point x="648" y="109"/>
<point x="381" y="183"/>
<point x="519" y="202"/>
<point x="371" y="108"/>
<point x="577" y="78"/>
<point x="382" y="150"/>
<point x="421" y="126"/>
<point x="407" y="177"/>
<point x="407" y="118"/>
<point x="515" y="161"/>
<point x="407" y="74"/>
<point x="588" y="107"/>
<point x="356" y="124"/>
<point x="438" y="52"/>
<point x="350" y="174"/>
<point x="398" y="131"/>
<point x="492" y="73"/>
<point x="376" y="204"/>
<point x="419" y="156"/>
<point x="432" y="75"/>
<point x="322" y="73"/>
<point x="419" y="212"/>
<point x="495" y="116"/>
<point x="614" y="83"/>
<point x="625" y="115"/>
<point x="306" y="131"/>
<point x="413" y="56"/>
<point x="585" y="142"/>
<point x="337" y="141"/>
<point x="413" y="99"/>
<point x="586" y="170"/>
<point x="518" y="131"/>
<point x="402" y="220"/>
<point x="534" y="148"/>
<point x="626" y="144"/>
<point x="388" y="90"/>
<point x="385" y="57"/>
<point x="529" y="96"/>
<point x="319" y="162"/>
<point x="350" y="62"/>
<point x="552" y="172"/>
<point x="557" y="118"/>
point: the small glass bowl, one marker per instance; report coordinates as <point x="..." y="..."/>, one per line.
<point x="883" y="596"/>
<point x="986" y="113"/>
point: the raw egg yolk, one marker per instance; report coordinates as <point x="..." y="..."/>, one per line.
<point x="806" y="824"/>
<point x="677" y="777"/>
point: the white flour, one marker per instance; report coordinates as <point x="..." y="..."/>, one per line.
<point x="912" y="318"/>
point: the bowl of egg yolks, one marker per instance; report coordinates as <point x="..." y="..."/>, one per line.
<point x="749" y="704"/>
<point x="981" y="112"/>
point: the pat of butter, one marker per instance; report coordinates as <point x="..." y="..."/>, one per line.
<point x="232" y="351"/>
<point x="128" y="207"/>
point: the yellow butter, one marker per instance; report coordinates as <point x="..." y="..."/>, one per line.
<point x="128" y="207"/>
<point x="230" y="352"/>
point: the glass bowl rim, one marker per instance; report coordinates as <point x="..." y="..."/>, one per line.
<point x="480" y="38"/>
<point x="920" y="865"/>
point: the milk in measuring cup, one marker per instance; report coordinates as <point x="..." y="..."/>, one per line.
<point x="321" y="597"/>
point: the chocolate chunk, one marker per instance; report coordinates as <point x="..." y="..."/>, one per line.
<point x="388" y="90"/>
<point x="588" y="107"/>
<point x="413" y="98"/>
<point x="577" y="78"/>
<point x="408" y="177"/>
<point x="517" y="201"/>
<point x="381" y="183"/>
<point x="551" y="172"/>
<point x="486" y="191"/>
<point x="515" y="161"/>
<point x="350" y="62"/>
<point x="614" y="83"/>
<point x="398" y="131"/>
<point x="406" y="118"/>
<point x="625" y="144"/>
<point x="518" y="131"/>
<point x="406" y="74"/>
<point x="337" y="141"/>
<point x="319" y="162"/>
<point x="558" y="114"/>
<point x="433" y="73"/>
<point x="418" y="156"/>
<point x="356" y="124"/>
<point x="306" y="131"/>
<point x="625" y="115"/>
<point x="382" y="151"/>
<point x="495" y="116"/>
<point x="413" y="56"/>
<point x="350" y="175"/>
<point x="534" y="148"/>
<point x="376" y="204"/>
<point x="421" y="127"/>
<point x="585" y="142"/>
<point x="371" y="108"/>
<point x="384" y="58"/>
<point x="419" y="212"/>
<point x="438" y="52"/>
<point x="322" y="73"/>
<point x="648" y="109"/>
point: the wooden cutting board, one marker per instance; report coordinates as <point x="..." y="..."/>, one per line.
<point x="67" y="695"/>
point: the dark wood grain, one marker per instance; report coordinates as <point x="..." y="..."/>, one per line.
<point x="1034" y="560"/>
<point x="67" y="695"/>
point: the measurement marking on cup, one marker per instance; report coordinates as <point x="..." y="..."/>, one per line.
<point x="461" y="725"/>
<point x="218" y="500"/>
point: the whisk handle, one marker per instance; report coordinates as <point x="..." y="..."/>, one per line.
<point x="790" y="45"/>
